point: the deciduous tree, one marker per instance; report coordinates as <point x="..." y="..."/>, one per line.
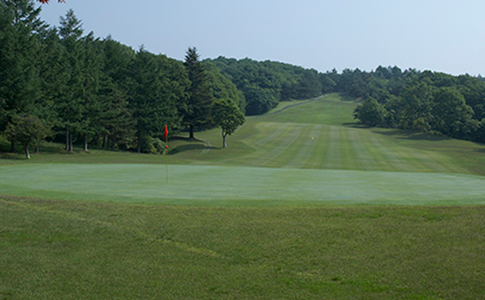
<point x="227" y="116"/>
<point x="26" y="129"/>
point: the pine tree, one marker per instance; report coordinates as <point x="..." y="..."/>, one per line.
<point x="91" y="72"/>
<point x="53" y="77"/>
<point x="151" y="100"/>
<point x="116" y="121"/>
<point x="19" y="79"/>
<point x="70" y="104"/>
<point x="196" y="111"/>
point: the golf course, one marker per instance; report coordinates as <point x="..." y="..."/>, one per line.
<point x="304" y="203"/>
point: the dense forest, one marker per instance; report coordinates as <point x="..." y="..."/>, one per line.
<point x="79" y="89"/>
<point x="426" y="101"/>
<point x="58" y="83"/>
<point x="265" y="84"/>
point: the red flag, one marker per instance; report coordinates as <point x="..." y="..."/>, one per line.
<point x="165" y="132"/>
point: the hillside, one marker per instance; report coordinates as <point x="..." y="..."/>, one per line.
<point x="284" y="140"/>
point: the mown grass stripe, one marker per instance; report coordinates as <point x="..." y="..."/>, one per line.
<point x="396" y="161"/>
<point x="285" y="141"/>
<point x="349" y="160"/>
<point x="270" y="131"/>
<point x="332" y="157"/>
<point x="317" y="157"/>
<point x="363" y="158"/>
<point x="306" y="148"/>
<point x="427" y="159"/>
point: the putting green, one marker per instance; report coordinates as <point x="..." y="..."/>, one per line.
<point x="223" y="185"/>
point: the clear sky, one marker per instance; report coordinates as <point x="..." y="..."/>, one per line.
<point x="439" y="35"/>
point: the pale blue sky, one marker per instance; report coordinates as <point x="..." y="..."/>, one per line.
<point x="438" y="35"/>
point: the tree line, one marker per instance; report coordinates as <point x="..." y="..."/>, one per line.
<point x="77" y="88"/>
<point x="426" y="101"/>
<point x="265" y="84"/>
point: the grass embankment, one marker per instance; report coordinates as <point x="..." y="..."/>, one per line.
<point x="72" y="250"/>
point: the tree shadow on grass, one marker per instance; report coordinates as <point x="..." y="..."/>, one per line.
<point x="184" y="148"/>
<point x="348" y="98"/>
<point x="411" y="135"/>
<point x="354" y="125"/>
<point x="10" y="156"/>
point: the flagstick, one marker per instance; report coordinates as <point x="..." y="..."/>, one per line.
<point x="166" y="155"/>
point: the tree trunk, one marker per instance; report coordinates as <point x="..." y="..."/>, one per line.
<point x="191" y="131"/>
<point x="224" y="145"/>
<point x="12" y="147"/>
<point x="37" y="148"/>
<point x="70" y="142"/>
<point x="26" y="149"/>
<point x="67" y="138"/>
<point x="104" y="142"/>
<point x="139" y="141"/>
<point x="86" y="141"/>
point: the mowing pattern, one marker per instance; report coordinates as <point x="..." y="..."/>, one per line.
<point x="319" y="146"/>
<point x="321" y="134"/>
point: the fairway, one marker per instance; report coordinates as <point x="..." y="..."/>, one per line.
<point x="235" y="186"/>
<point x="322" y="135"/>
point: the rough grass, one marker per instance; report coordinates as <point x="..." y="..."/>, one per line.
<point x="73" y="250"/>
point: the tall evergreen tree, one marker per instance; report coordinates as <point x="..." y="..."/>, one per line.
<point x="150" y="98"/>
<point x="117" y="124"/>
<point x="19" y="72"/>
<point x="70" y="104"/>
<point x="196" y="111"/>
<point x="91" y="71"/>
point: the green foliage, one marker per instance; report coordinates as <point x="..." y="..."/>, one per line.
<point x="19" y="72"/>
<point x="26" y="129"/>
<point x="450" y="111"/>
<point x="227" y="116"/>
<point x="265" y="84"/>
<point x="259" y="100"/>
<point x="371" y="113"/>
<point x="152" y="145"/>
<point x="221" y="87"/>
<point x="421" y="101"/>
<point x="196" y="112"/>
<point x="151" y="98"/>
